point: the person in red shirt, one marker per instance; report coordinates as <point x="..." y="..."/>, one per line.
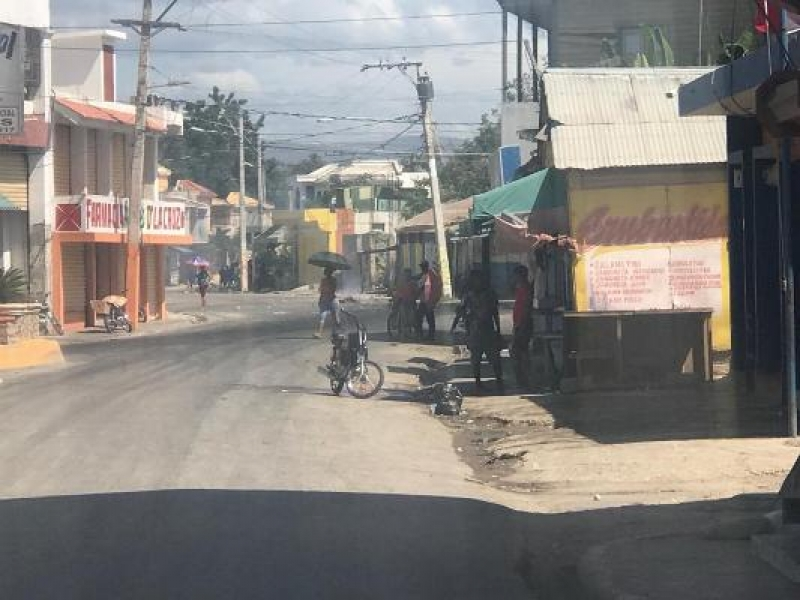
<point x="523" y="326"/>
<point x="328" y="304"/>
<point x="430" y="293"/>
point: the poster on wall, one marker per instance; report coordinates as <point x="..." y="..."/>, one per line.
<point x="12" y="79"/>
<point x="655" y="277"/>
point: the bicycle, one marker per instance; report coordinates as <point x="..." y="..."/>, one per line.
<point x="48" y="322"/>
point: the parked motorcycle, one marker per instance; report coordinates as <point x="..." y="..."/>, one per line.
<point x="115" y="317"/>
<point x="350" y="365"/>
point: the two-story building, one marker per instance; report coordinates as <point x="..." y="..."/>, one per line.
<point x="92" y="150"/>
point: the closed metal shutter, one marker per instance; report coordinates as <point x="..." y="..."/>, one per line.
<point x="14" y="178"/>
<point x="118" y="164"/>
<point x="73" y="268"/>
<point x="150" y="257"/>
<point x="61" y="160"/>
<point x="91" y="161"/>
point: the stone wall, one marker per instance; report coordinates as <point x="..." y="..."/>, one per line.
<point x="18" y="322"/>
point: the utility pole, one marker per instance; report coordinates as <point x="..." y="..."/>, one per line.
<point x="261" y="192"/>
<point x="424" y="87"/>
<point x="146" y="28"/>
<point x="242" y="209"/>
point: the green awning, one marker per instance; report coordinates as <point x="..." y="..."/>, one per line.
<point x="543" y="189"/>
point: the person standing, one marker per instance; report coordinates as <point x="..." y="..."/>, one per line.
<point x="328" y="304"/>
<point x="523" y="326"/>
<point x="480" y="309"/>
<point x="203" y="280"/>
<point x="430" y="293"/>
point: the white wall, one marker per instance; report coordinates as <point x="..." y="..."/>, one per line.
<point x="78" y="66"/>
<point x="514" y="117"/>
<point x="28" y="13"/>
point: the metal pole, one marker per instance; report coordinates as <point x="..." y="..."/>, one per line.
<point x="134" y="246"/>
<point x="504" y="58"/>
<point x="438" y="218"/>
<point x="242" y="209"/>
<point x="787" y="266"/>
<point x="520" y="88"/>
<point x="702" y="15"/>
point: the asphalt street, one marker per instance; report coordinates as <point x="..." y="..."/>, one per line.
<point x="212" y="462"/>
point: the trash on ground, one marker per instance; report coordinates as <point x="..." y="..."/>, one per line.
<point x="446" y="399"/>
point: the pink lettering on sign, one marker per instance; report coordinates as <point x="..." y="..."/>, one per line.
<point x="601" y="228"/>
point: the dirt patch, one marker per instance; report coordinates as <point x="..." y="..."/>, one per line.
<point x="479" y="442"/>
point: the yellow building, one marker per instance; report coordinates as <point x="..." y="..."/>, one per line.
<point x="646" y="193"/>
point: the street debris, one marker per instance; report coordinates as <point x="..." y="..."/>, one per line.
<point x="446" y="399"/>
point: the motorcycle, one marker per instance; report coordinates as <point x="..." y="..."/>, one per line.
<point x="350" y="365"/>
<point x="115" y="317"/>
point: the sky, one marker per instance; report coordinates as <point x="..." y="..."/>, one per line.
<point x="466" y="78"/>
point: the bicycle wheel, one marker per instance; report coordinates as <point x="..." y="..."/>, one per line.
<point x="365" y="380"/>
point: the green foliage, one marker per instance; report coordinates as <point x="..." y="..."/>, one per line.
<point x="208" y="150"/>
<point x="417" y="200"/>
<point x="311" y="163"/>
<point x="657" y="49"/>
<point x="468" y="174"/>
<point x="736" y="49"/>
<point x="12" y="285"/>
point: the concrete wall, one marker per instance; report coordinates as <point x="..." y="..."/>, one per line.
<point x="78" y="66"/>
<point x="581" y="25"/>
<point x="28" y="13"/>
<point x="660" y="245"/>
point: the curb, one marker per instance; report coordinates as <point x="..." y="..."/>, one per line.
<point x="30" y="353"/>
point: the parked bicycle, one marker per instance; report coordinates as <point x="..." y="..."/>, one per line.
<point x="112" y="309"/>
<point x="48" y="322"/>
<point x="349" y="364"/>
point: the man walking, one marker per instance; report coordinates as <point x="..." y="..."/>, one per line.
<point x="479" y="309"/>
<point x="430" y="292"/>
<point x="523" y="326"/>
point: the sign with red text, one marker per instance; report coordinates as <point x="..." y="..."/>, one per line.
<point x="103" y="214"/>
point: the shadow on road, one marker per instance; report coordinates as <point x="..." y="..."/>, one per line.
<point x="198" y="544"/>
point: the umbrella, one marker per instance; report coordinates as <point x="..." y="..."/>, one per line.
<point x="335" y="261"/>
<point x="198" y="262"/>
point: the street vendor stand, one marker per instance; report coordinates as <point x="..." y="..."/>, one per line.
<point x="637" y="348"/>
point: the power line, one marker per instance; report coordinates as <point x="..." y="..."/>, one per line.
<point x="431" y="46"/>
<point x="317" y="21"/>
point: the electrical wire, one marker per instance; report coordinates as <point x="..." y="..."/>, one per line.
<point x="267" y="51"/>
<point x="339" y="20"/>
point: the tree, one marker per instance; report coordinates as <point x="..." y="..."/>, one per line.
<point x="467" y="173"/>
<point x="208" y="150"/>
<point x="311" y="163"/>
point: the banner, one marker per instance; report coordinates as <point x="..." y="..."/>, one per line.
<point x="12" y="79"/>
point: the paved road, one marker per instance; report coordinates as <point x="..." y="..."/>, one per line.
<point x="211" y="463"/>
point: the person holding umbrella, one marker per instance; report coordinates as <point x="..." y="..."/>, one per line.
<point x="328" y="304"/>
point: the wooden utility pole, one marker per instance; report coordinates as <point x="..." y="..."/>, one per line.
<point x="424" y="87"/>
<point x="146" y="28"/>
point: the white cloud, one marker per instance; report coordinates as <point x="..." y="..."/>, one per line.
<point x="243" y="82"/>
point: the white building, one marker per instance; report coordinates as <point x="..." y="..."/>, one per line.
<point x="24" y="155"/>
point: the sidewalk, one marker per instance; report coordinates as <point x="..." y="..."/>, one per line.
<point x="592" y="454"/>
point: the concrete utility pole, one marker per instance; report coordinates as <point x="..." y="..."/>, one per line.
<point x="424" y="87"/>
<point x="261" y="191"/>
<point x="242" y="209"/>
<point x="146" y="28"/>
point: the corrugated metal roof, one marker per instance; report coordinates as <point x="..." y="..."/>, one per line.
<point x="452" y="212"/>
<point x="604" y="118"/>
